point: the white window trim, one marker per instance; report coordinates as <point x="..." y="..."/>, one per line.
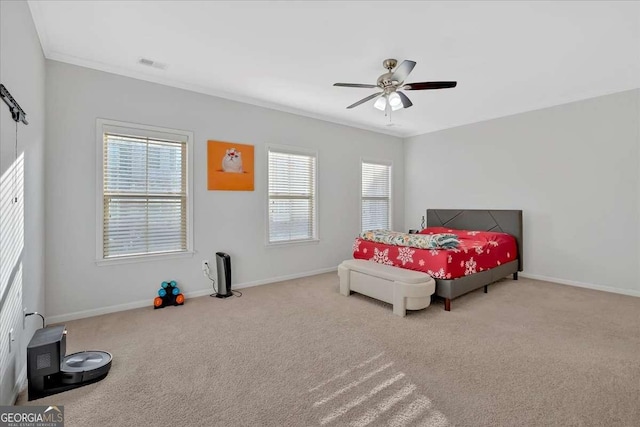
<point x="378" y="162"/>
<point x="151" y="131"/>
<point x="293" y="150"/>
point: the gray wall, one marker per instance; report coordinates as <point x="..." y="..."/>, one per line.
<point x="573" y="169"/>
<point x="22" y="71"/>
<point x="233" y="222"/>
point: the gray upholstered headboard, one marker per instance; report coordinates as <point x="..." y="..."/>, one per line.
<point x="504" y="221"/>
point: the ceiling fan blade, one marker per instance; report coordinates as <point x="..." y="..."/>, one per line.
<point x="403" y="70"/>
<point x="406" y="102"/>
<point x="354" y="85"/>
<point x="429" y="85"/>
<point x="362" y="101"/>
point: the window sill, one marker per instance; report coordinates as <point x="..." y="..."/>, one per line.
<point x="144" y="258"/>
<point x="292" y="243"/>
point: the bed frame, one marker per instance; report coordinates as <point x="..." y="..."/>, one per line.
<point x="504" y="221"/>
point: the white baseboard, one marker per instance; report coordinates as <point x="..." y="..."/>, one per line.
<point x="629" y="292"/>
<point x="284" y="278"/>
<point x="193" y="294"/>
<point x="22" y="379"/>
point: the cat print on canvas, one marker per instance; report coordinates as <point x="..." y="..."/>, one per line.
<point x="232" y="161"/>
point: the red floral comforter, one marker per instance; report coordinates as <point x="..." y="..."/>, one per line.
<point x="478" y="251"/>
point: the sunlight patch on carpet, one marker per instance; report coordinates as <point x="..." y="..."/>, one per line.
<point x="436" y="419"/>
<point x="361" y="399"/>
<point x="343" y="373"/>
<point x="383" y="407"/>
<point x="353" y="384"/>
<point x="394" y="397"/>
<point x="411" y="412"/>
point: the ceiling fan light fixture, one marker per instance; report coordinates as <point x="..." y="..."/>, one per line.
<point x="395" y="101"/>
<point x="381" y="103"/>
<point x="390" y="98"/>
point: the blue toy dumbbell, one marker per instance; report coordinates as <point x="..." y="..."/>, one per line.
<point x="168" y="294"/>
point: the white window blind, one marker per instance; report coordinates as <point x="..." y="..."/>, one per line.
<point x="376" y="196"/>
<point x="144" y="195"/>
<point x="292" y="196"/>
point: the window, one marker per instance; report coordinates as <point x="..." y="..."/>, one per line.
<point x="144" y="206"/>
<point x="376" y="196"/>
<point x="292" y="196"/>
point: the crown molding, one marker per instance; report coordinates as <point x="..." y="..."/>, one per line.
<point x="99" y="66"/>
<point x="556" y="102"/>
<point x="398" y="132"/>
<point x="50" y="53"/>
<point x="81" y="62"/>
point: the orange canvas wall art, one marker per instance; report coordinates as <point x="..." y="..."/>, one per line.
<point x="229" y="166"/>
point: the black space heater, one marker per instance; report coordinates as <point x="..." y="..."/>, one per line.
<point x="49" y="371"/>
<point x="223" y="265"/>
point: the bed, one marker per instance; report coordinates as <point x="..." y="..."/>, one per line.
<point x="491" y="248"/>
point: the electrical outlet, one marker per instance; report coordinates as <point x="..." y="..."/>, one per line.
<point x="205" y="267"/>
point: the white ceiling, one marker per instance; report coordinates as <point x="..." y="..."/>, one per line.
<point x="508" y="57"/>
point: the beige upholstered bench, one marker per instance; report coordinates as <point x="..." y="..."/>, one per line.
<point x="405" y="289"/>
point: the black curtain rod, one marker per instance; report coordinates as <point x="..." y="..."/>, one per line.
<point x="17" y="112"/>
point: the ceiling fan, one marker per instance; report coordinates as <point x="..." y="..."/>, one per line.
<point x="391" y="82"/>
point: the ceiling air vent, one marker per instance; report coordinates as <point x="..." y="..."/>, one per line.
<point x="150" y="63"/>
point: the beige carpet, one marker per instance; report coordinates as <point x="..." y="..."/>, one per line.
<point x="298" y="353"/>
